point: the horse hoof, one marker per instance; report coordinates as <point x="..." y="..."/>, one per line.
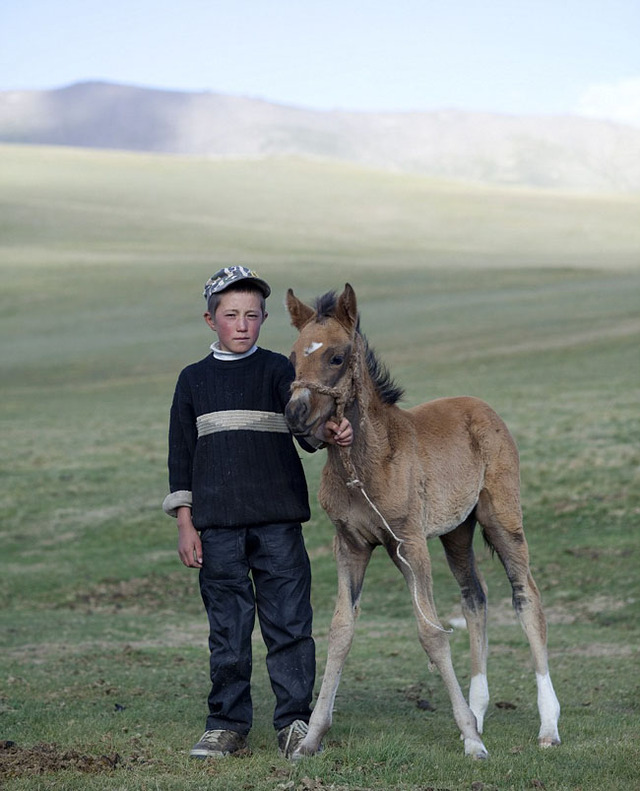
<point x="306" y="751"/>
<point x="475" y="749"/>
<point x="300" y="755"/>
<point x="548" y="741"/>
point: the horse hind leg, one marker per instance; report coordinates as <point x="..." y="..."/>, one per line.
<point x="502" y="527"/>
<point x="412" y="558"/>
<point x="458" y="547"/>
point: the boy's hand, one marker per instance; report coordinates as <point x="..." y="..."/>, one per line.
<point x="189" y="544"/>
<point x="335" y="433"/>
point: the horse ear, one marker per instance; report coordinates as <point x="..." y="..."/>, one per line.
<point x="298" y="311"/>
<point x="347" y="308"/>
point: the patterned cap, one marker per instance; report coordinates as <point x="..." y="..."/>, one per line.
<point x="224" y="278"/>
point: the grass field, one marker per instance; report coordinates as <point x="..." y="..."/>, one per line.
<point x="526" y="299"/>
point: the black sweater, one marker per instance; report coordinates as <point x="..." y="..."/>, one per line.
<point x="229" y="444"/>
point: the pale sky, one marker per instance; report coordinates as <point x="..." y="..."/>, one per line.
<point x="511" y="56"/>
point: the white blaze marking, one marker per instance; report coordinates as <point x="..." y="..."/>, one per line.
<point x="313" y="347"/>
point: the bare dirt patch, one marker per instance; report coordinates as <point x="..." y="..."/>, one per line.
<point x="599" y="650"/>
<point x="501" y="612"/>
<point x="154" y="593"/>
<point x="44" y="758"/>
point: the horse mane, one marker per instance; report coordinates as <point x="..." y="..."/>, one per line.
<point x="388" y="391"/>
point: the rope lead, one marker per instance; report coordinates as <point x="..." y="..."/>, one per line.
<point x="355" y="483"/>
<point x="342" y="396"/>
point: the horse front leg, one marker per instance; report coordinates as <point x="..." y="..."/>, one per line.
<point x="412" y="558"/>
<point x="351" y="561"/>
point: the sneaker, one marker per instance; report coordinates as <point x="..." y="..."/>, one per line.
<point x="218" y="744"/>
<point x="289" y="739"/>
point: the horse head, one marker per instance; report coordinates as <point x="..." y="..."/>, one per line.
<point x="323" y="357"/>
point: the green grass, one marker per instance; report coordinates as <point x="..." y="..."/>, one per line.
<point x="527" y="299"/>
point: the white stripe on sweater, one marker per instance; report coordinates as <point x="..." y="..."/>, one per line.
<point x="241" y="419"/>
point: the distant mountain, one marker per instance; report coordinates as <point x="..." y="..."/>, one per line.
<point x="558" y="152"/>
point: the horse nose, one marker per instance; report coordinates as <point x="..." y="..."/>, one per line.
<point x="297" y="411"/>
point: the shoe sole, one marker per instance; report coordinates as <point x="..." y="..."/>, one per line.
<point x="202" y="754"/>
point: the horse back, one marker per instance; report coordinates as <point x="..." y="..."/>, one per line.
<point x="465" y="448"/>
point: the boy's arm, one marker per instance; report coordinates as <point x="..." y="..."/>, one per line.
<point x="182" y="440"/>
<point x="189" y="544"/>
<point x="182" y="437"/>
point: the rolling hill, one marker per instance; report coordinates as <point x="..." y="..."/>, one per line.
<point x="60" y="204"/>
<point x="550" y="152"/>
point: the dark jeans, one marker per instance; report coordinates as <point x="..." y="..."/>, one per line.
<point x="275" y="558"/>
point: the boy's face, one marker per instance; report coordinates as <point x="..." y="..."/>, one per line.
<point x="237" y="321"/>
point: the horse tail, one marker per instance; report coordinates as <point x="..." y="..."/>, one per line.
<point x="487" y="541"/>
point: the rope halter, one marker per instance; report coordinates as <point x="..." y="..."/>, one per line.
<point x="345" y="393"/>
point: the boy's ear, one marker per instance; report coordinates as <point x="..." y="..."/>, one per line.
<point x="209" y="319"/>
<point x="299" y="312"/>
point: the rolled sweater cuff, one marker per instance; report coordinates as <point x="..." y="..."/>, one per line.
<point x="176" y="500"/>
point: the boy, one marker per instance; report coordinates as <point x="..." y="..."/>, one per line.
<point x="239" y="494"/>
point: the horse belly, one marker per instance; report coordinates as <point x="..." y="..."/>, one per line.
<point x="437" y="503"/>
<point x="441" y="517"/>
<point x="453" y="461"/>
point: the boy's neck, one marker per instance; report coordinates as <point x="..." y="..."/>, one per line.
<point x="222" y="354"/>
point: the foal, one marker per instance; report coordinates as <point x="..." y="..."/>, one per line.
<point x="410" y="475"/>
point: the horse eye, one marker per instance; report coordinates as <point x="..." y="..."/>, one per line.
<point x="337" y="359"/>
